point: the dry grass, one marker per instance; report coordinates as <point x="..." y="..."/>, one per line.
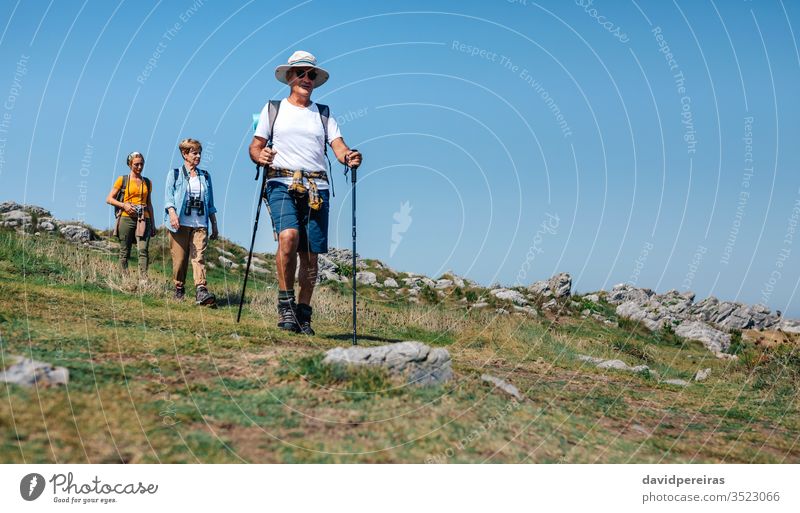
<point x="154" y="380"/>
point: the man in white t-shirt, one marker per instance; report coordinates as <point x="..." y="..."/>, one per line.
<point x="297" y="188"/>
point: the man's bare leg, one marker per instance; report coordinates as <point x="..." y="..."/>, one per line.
<point x="286" y="258"/>
<point x="286" y="263"/>
<point x="307" y="276"/>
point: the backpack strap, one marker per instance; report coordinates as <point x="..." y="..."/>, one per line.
<point x="272" y="113"/>
<point x="123" y="190"/>
<point x="149" y="188"/>
<point x="324" y="114"/>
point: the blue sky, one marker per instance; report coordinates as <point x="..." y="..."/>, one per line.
<point x="489" y="118"/>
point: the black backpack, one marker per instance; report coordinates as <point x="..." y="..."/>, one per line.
<point x="124" y="189"/>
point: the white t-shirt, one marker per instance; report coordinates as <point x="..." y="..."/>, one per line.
<point x="299" y="138"/>
<point x="194" y="190"/>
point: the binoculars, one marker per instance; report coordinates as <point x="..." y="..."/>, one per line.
<point x="194" y="204"/>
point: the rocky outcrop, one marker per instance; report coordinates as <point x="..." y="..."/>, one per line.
<point x="715" y="340"/>
<point x="789" y="326"/>
<point x="509" y="295"/>
<point x="16" y="219"/>
<point x="649" y="313"/>
<point x="708" y="321"/>
<point x="557" y="287"/>
<point x="366" y="278"/>
<point x="77" y="233"/>
<point x="731" y="315"/>
<point x="417" y="362"/>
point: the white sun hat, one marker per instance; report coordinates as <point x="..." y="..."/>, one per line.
<point x="301" y="59"/>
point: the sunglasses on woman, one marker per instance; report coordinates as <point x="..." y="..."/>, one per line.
<point x="300" y="73"/>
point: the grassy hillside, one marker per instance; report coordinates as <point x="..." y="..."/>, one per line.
<point x="152" y="380"/>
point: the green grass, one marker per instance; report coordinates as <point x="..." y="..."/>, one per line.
<point x="152" y="380"/>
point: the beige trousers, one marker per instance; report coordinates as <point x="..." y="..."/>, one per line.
<point x="188" y="243"/>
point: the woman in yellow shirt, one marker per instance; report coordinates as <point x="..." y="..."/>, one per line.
<point x="135" y="212"/>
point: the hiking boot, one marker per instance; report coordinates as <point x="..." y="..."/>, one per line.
<point x="304" y="319"/>
<point x="180" y="293"/>
<point x="204" y="297"/>
<point x="287" y="317"/>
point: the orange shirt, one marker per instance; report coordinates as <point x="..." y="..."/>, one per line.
<point x="136" y="193"/>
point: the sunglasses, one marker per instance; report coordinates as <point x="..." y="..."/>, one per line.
<point x="300" y="73"/>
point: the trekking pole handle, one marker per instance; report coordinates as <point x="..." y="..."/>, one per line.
<point x="258" y="170"/>
<point x="348" y="163"/>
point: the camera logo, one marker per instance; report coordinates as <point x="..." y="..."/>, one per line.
<point x="31" y="486"/>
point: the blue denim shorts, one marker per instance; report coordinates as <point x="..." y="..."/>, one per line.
<point x="291" y="211"/>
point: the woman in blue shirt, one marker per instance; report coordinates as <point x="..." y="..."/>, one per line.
<point x="188" y="209"/>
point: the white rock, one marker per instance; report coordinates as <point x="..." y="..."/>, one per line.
<point x="443" y="284"/>
<point x="26" y="372"/>
<point x="227" y="263"/>
<point x="77" y="233"/>
<point x="366" y="277"/>
<point x="510" y="295"/>
<point x="527" y="310"/>
<point x="677" y="382"/>
<point x="503" y="385"/>
<point x="591" y="359"/>
<point x="702" y="374"/>
<point x="418" y="362"/>
<point x="390" y="282"/>
<point x="715" y="340"/>
<point x="789" y="326"/>
<point x="16" y="218"/>
<point x="613" y="364"/>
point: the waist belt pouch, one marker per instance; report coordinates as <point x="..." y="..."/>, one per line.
<point x="116" y="226"/>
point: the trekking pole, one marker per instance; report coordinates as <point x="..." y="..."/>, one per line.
<point x="353" y="181"/>
<point x="253" y="240"/>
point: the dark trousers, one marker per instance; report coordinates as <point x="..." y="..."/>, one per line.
<point x="127" y="236"/>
